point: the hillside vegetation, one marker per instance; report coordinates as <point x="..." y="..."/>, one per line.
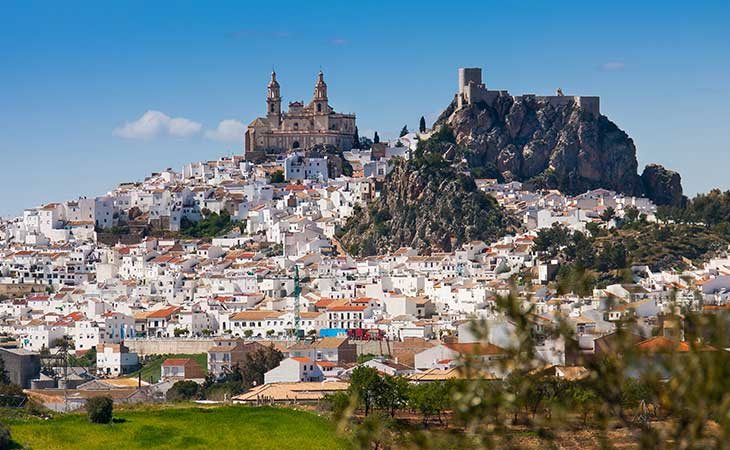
<point x="600" y="257"/>
<point x="427" y="203"/>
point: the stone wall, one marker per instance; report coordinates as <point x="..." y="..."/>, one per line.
<point x="144" y="347"/>
<point x="403" y="351"/>
<point x="20" y="289"/>
<point x="166" y="346"/>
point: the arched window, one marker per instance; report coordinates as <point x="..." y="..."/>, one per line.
<point x="272" y="107"/>
<point x="296" y="125"/>
<point x="319" y="107"/>
<point x="295" y="144"/>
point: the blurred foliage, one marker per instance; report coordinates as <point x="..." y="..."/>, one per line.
<point x="626" y="397"/>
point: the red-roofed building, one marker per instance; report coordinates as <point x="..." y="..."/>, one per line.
<point x="664" y="344"/>
<point x="348" y="316"/>
<point x="181" y="369"/>
<point x="157" y="320"/>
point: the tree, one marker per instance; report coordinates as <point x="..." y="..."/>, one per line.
<point x="250" y="372"/>
<point x="356" y="139"/>
<point x="180" y="332"/>
<point x="631" y="214"/>
<point x="365" y="143"/>
<point x="608" y="214"/>
<point x="248" y="333"/>
<point x="549" y="241"/>
<point x="429" y="399"/>
<point x="365" y="384"/>
<point x="184" y="390"/>
<point x="376" y="138"/>
<point x="585" y="401"/>
<point x="338" y="402"/>
<point x="393" y="394"/>
<point x="277" y="177"/>
<point x="99" y="409"/>
<point x="422" y="125"/>
<point x="88" y="359"/>
<point x="403" y="131"/>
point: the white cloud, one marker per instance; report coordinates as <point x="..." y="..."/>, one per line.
<point x="229" y="130"/>
<point x="613" y="65"/>
<point x="182" y="127"/>
<point x="155" y="124"/>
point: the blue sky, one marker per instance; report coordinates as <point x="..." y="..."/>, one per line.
<point x="71" y="73"/>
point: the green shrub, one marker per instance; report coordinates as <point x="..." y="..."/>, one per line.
<point x="99" y="409"/>
<point x="184" y="390"/>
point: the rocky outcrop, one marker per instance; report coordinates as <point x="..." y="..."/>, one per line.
<point x="564" y="147"/>
<point x="662" y="185"/>
<point x="426" y="204"/>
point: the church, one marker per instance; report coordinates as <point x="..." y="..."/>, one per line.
<point x="300" y="127"/>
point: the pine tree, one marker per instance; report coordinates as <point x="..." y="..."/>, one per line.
<point x="422" y="125"/>
<point x="376" y="138"/>
<point x="404" y="131"/>
<point x="356" y="139"/>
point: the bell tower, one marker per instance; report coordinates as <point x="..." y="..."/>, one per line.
<point x="320" y="94"/>
<point x="273" y="102"/>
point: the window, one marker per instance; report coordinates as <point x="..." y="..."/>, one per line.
<point x="319" y="107"/>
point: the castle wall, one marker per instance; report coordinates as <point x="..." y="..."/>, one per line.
<point x="591" y="104"/>
<point x="475" y="94"/>
<point x="471" y="90"/>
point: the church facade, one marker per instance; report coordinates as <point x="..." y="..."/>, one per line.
<point x="302" y="126"/>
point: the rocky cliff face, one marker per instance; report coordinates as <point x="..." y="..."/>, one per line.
<point x="548" y="146"/>
<point x="662" y="185"/>
<point x="428" y="205"/>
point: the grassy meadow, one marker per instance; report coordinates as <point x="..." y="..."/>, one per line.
<point x="187" y="427"/>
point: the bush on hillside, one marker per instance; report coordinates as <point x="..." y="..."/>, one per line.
<point x="100" y="409"/>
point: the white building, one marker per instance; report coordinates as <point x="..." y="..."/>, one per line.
<point x="292" y="370"/>
<point x="115" y="360"/>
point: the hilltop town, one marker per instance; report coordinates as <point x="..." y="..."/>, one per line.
<point x="189" y="271"/>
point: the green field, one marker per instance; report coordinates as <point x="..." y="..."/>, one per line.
<point x="151" y="369"/>
<point x="224" y="427"/>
